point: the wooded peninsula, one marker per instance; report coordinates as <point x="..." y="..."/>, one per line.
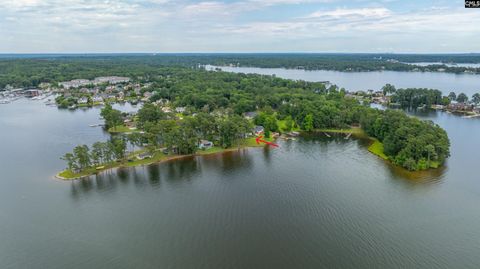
<point x="195" y="111"/>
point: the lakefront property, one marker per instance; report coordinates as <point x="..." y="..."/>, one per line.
<point x="178" y="118"/>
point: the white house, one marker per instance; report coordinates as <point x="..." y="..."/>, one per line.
<point x="205" y="144"/>
<point x="180" y="109"/>
<point x="83" y="100"/>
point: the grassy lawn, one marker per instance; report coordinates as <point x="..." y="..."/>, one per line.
<point x="354" y="130"/>
<point x="121" y="129"/>
<point x="250" y="142"/>
<point x="282" y="126"/>
<point x="377" y="148"/>
<point x="67" y="174"/>
<point x="211" y="150"/>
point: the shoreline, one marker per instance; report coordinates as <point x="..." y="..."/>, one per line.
<point x="155" y="161"/>
<point x="376" y="147"/>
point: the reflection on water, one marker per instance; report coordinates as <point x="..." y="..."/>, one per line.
<point x="178" y="172"/>
<point x="317" y="202"/>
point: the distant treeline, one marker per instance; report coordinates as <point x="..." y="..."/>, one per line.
<point x="31" y="70"/>
<point x="417" y="97"/>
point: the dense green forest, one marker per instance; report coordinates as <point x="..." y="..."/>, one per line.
<point x="216" y="101"/>
<point x="414" y="97"/>
<point x="30" y="70"/>
<point x="419" y="97"/>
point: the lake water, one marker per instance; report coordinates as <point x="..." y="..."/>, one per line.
<point x="313" y="203"/>
<point x="354" y="81"/>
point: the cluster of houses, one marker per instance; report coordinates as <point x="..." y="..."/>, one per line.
<point x="95" y="92"/>
<point x="467" y="107"/>
<point x="374" y="96"/>
<point x="76" y="83"/>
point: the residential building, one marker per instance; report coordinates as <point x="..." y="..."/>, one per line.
<point x="250" y="115"/>
<point x="205" y="144"/>
<point x="258" y="130"/>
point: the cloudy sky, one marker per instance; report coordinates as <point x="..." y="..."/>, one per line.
<point x="78" y="26"/>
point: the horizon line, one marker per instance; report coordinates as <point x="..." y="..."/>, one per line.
<point x="259" y="52"/>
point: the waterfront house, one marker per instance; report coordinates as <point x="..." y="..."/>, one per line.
<point x="455" y="106"/>
<point x="129" y="124"/>
<point x="145" y="155"/>
<point x="32" y="93"/>
<point x="477" y="109"/>
<point x="258" y="130"/>
<point x="205" y="144"/>
<point x="438" y="107"/>
<point x="97" y="99"/>
<point x="83" y="100"/>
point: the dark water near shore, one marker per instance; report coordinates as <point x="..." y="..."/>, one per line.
<point x="355" y="81"/>
<point x="313" y="203"/>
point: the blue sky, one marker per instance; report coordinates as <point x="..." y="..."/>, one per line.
<point x="82" y="26"/>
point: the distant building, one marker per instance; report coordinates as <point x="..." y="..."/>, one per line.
<point x="250" y="115"/>
<point x="180" y="109"/>
<point x="205" y="144"/>
<point x="477" y="109"/>
<point x="83" y="100"/>
<point x="44" y="85"/>
<point x="97" y="99"/>
<point x="455" y="106"/>
<point x="111" y="80"/>
<point x="147" y="94"/>
<point x="258" y="130"/>
<point x="32" y="93"/>
<point x="166" y="109"/>
<point x="143" y="156"/>
<point x="76" y="83"/>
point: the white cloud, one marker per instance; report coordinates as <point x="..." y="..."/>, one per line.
<point x="346" y="13"/>
<point x="215" y="25"/>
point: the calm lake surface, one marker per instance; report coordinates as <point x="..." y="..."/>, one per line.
<point x="354" y="81"/>
<point x="313" y="203"/>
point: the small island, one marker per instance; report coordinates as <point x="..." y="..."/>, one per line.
<point x="195" y="111"/>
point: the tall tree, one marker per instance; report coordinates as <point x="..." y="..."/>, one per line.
<point x="462" y="98"/>
<point x="71" y="161"/>
<point x="452" y="96"/>
<point x="388" y="89"/>
<point x="308" y="123"/>
<point x="97" y="153"/>
<point x="119" y="146"/>
<point x="476" y="98"/>
<point x="82" y="155"/>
